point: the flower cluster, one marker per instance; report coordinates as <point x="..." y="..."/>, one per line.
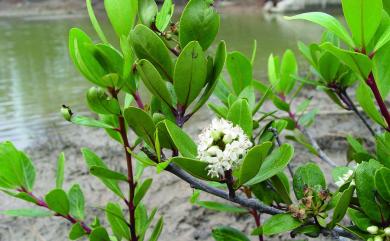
<point x="380" y="234"/>
<point x="223" y="146"/>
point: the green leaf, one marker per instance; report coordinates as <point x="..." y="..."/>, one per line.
<point x="157" y="230"/>
<point x="60" y="170"/>
<point x="363" y="18"/>
<point x="219" y="62"/>
<point x="141" y="123"/>
<point x="382" y="182"/>
<point x="383" y="149"/>
<point x="190" y="73"/>
<point x="342" y="206"/>
<point x="339" y="172"/>
<point x="383" y="40"/>
<point x="194" y="167"/>
<point x="288" y="69"/>
<point x="280" y="223"/>
<point x="327" y="21"/>
<point x="253" y="161"/>
<point x="309" y="175"/>
<point x="153" y="81"/>
<point x="240" y="71"/>
<point x="224" y="233"/>
<point x="240" y="114"/>
<point x="117" y="221"/>
<point x="95" y="22"/>
<point x="183" y="142"/>
<point x="273" y="164"/>
<point x="99" y="102"/>
<point x="121" y="14"/>
<point x="16" y="169"/>
<point x="274" y="72"/>
<point x="86" y="121"/>
<point x="380" y="70"/>
<point x="147" y="10"/>
<point x="359" y="219"/>
<point x="112" y="120"/>
<point x="76" y="231"/>
<point x="280" y="183"/>
<point x="20" y="195"/>
<point x="99" y="234"/>
<point x="164" y="16"/>
<point x="142" y="190"/>
<point x="359" y="63"/>
<point x="76" y="201"/>
<point x="58" y="201"/>
<point x="366" y="100"/>
<point x="107" y="173"/>
<point x="221" y="207"/>
<point x="27" y="212"/>
<point x="147" y="45"/>
<point x="92" y="159"/>
<point x="365" y="183"/>
<point x="200" y="22"/>
<point x="328" y="66"/>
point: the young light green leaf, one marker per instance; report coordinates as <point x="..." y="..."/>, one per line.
<point x="86" y="121"/>
<point x="27" y="212"/>
<point x="157" y="230"/>
<point x="58" y="201"/>
<point x="95" y="22"/>
<point x="240" y="71"/>
<point x="342" y="206"/>
<point x="224" y="233"/>
<point x="164" y="15"/>
<point x="199" y="22"/>
<point x="363" y="18"/>
<point x="141" y="123"/>
<point x="107" y="173"/>
<point x="383" y="40"/>
<point x="183" y="142"/>
<point x="76" y="201"/>
<point x="60" y="170"/>
<point x="76" y="231"/>
<point x="99" y="234"/>
<point x="288" y="69"/>
<point x="93" y="160"/>
<point x="99" y="102"/>
<point x="190" y="73"/>
<point x="117" y="221"/>
<point x="240" y="114"/>
<point x="280" y="223"/>
<point x="121" y="14"/>
<point x="142" y="190"/>
<point x="147" y="10"/>
<point x="309" y="175"/>
<point x="327" y="21"/>
<point x="221" y="207"/>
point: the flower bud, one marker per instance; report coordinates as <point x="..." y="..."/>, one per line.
<point x="378" y="238"/>
<point x="387" y="231"/>
<point x="213" y="150"/>
<point x="227" y="139"/>
<point x="373" y="229"/>
<point x="66" y="112"/>
<point x="216" y="135"/>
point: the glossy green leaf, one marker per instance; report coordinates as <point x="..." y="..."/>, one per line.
<point x="117" y="221"/>
<point x="26" y="212"/>
<point x="190" y="73"/>
<point x="153" y="81"/>
<point x="157" y="230"/>
<point x="365" y="182"/>
<point x="147" y="45"/>
<point x="220" y="207"/>
<point x="58" y="201"/>
<point x="76" y="201"/>
<point x="280" y="223"/>
<point x="142" y="190"/>
<point x="273" y="164"/>
<point x="382" y="182"/>
<point x="141" y="123"/>
<point x="363" y="18"/>
<point x="121" y="14"/>
<point x="274" y="72"/>
<point x="92" y="159"/>
<point x="240" y="114"/>
<point x="99" y="102"/>
<point x="194" y="167"/>
<point x="280" y="183"/>
<point x="359" y="219"/>
<point x="20" y="195"/>
<point x="327" y="21"/>
<point x="147" y="10"/>
<point x="224" y="233"/>
<point x="288" y="69"/>
<point x="76" y="232"/>
<point x="359" y="63"/>
<point x="86" y="121"/>
<point x="95" y="22"/>
<point x="240" y="71"/>
<point x="383" y="149"/>
<point x="164" y="16"/>
<point x="99" y="234"/>
<point x="253" y="161"/>
<point x="383" y="40"/>
<point x="107" y="173"/>
<point x="328" y="66"/>
<point x="380" y="70"/>
<point x="309" y="175"/>
<point x="366" y="100"/>
<point x="60" y="170"/>
<point x="199" y="22"/>
<point x="16" y="169"/>
<point x="183" y="142"/>
<point x="342" y="206"/>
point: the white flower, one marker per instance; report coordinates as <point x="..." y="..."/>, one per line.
<point x="343" y="179"/>
<point x="373" y="229"/>
<point x="378" y="238"/>
<point x="223" y="146"/>
<point x="387" y="231"/>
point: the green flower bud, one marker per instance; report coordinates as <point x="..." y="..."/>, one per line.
<point x="66" y="112"/>
<point x="378" y="238"/>
<point x="373" y="229"/>
<point x="387" y="231"/>
<point x="216" y="135"/>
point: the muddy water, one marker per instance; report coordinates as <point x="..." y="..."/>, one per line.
<point x="37" y="76"/>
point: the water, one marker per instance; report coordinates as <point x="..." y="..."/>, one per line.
<point x="37" y="76"/>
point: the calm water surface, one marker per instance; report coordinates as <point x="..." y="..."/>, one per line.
<point x="37" y="76"/>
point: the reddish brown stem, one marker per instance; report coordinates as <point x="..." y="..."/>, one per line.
<point x="382" y="106"/>
<point x="138" y="100"/>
